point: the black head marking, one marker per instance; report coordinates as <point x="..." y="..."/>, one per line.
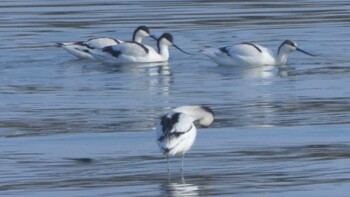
<point x="208" y="109"/>
<point x="253" y="45"/>
<point x="289" y="42"/>
<point x="286" y="42"/>
<point x="110" y="50"/>
<point x="167" y="36"/>
<point x="143" y="28"/>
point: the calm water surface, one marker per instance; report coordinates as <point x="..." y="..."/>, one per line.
<point x="81" y="128"/>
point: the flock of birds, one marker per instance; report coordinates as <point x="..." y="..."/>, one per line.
<point x="110" y="50"/>
<point x="176" y="130"/>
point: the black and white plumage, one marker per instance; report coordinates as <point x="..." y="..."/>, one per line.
<point x="134" y="52"/>
<point x="250" y="54"/>
<point x="176" y="131"/>
<point x="81" y="49"/>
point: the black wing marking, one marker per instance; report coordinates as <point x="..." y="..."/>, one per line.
<point x="83" y="44"/>
<point x="91" y="47"/>
<point x="59" y="44"/>
<point x="173" y="135"/>
<point x="224" y="50"/>
<point x="253" y="45"/>
<point x="117" y="41"/>
<point x="168" y="124"/>
<point x="110" y="50"/>
<point x="83" y="50"/>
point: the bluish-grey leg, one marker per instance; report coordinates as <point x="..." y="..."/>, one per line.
<point x="182" y="163"/>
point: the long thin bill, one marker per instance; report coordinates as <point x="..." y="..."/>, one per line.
<point x="153" y="36"/>
<point x="298" y="49"/>
<point x="181" y="50"/>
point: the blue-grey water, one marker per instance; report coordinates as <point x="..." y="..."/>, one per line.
<point x="72" y="127"/>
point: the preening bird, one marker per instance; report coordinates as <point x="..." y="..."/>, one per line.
<point x="176" y="131"/>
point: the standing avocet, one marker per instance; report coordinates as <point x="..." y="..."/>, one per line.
<point x="134" y="52"/>
<point x="81" y="49"/>
<point x="249" y="54"/>
<point x="176" y="131"/>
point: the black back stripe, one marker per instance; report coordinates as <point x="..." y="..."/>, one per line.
<point x="141" y="45"/>
<point x="91" y="47"/>
<point x="101" y="38"/>
<point x="253" y="45"/>
<point x="117" y="41"/>
<point x="90" y="39"/>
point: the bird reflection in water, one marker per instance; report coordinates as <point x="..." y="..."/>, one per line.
<point x="178" y="188"/>
<point x="159" y="77"/>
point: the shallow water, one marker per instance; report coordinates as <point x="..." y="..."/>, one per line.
<point x="298" y="161"/>
<point x="56" y="109"/>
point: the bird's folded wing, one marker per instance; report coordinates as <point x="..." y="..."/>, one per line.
<point x="133" y="49"/>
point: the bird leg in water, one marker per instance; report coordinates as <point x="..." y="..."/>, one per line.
<point x="167" y="158"/>
<point x="182" y="163"/>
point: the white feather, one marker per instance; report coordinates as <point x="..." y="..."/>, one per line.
<point x="128" y="53"/>
<point x="248" y="54"/>
<point x="180" y="138"/>
<point x="81" y="49"/>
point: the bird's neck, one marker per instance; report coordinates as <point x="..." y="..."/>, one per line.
<point x="163" y="50"/>
<point x="281" y="58"/>
<point x="137" y="39"/>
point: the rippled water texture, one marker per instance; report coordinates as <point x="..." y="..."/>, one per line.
<point x="71" y="127"/>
